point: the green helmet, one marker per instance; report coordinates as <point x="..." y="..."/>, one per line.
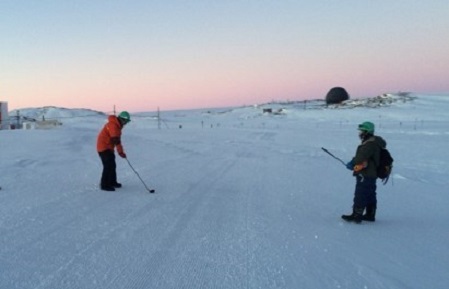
<point x="367" y="126"/>
<point x="124" y="115"/>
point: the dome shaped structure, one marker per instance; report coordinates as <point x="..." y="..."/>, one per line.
<point x="336" y="95"/>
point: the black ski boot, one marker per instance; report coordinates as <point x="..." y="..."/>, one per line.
<point x="370" y="214"/>
<point x="355" y="217"/>
<point x="107" y="188"/>
<point x="117" y="185"/>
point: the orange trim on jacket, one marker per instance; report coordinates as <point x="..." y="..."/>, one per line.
<point x="110" y="136"/>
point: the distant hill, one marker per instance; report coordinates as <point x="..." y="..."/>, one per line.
<point x="373" y="102"/>
<point x="278" y="107"/>
<point x="52" y="112"/>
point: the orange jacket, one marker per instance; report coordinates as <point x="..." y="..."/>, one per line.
<point x="110" y="136"/>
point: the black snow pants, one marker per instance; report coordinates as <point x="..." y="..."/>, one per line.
<point x="109" y="175"/>
<point x="365" y="192"/>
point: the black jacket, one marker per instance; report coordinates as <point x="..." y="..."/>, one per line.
<point x="367" y="156"/>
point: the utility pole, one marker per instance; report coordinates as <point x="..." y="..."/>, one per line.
<point x="114" y="109"/>
<point x="158" y="118"/>
<point x="18" y="119"/>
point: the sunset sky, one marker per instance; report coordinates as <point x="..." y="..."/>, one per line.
<point x="143" y="54"/>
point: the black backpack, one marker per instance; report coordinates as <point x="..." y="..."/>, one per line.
<point x="385" y="165"/>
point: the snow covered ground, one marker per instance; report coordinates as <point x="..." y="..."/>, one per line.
<point x="243" y="200"/>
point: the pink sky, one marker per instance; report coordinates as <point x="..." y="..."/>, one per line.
<point x="179" y="56"/>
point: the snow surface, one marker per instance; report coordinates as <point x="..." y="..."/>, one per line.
<point x="243" y="200"/>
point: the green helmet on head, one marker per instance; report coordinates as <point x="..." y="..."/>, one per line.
<point x="367" y="127"/>
<point x="124" y="115"/>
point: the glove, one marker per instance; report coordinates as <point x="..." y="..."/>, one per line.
<point x="122" y="154"/>
<point x="359" y="167"/>
<point x="350" y="165"/>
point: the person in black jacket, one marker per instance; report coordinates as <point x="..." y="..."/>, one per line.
<point x="364" y="166"/>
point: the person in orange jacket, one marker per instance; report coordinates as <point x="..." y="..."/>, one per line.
<point x="108" y="140"/>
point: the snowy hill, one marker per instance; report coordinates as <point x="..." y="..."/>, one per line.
<point x="244" y="199"/>
<point x="50" y="113"/>
<point x="277" y="108"/>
